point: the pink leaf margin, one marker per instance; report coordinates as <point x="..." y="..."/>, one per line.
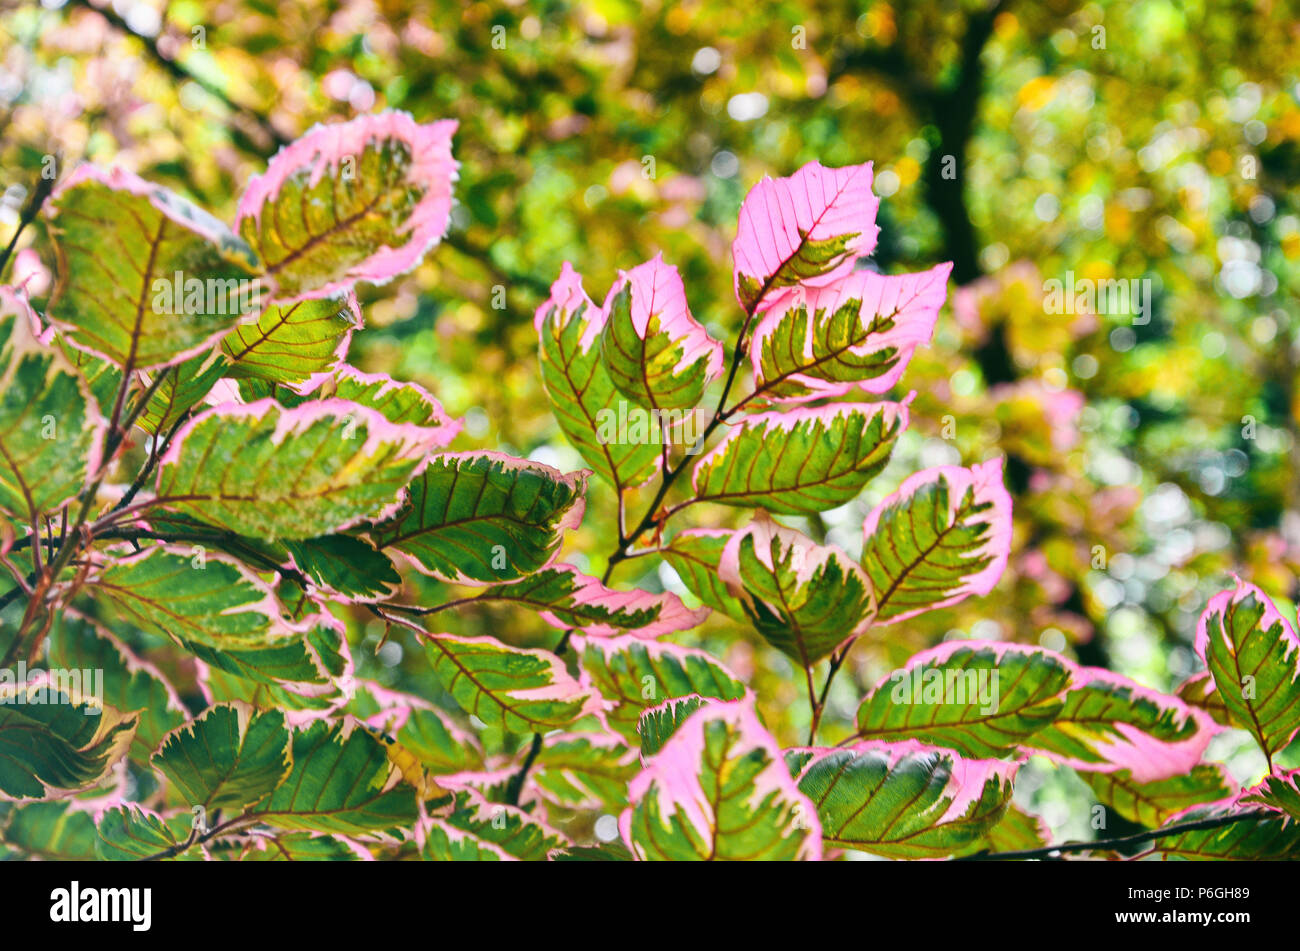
<point x="656" y="291"/>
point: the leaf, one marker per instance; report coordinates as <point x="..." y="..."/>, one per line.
<point x="230" y="757"/>
<point x="225" y="615"/>
<point x="606" y="852"/>
<point x="345" y="566"/>
<point x="806" y="229"/>
<point x="269" y="472"/>
<point x="567" y="598"/>
<point x="979" y="698"/>
<point x="297" y="847"/>
<point x="858" y="332"/>
<point x="805" y="599"/>
<point x="50" y="831"/>
<point x="184" y="386"/>
<point x="695" y="555"/>
<point x="904" y="801"/>
<point x="719" y="791"/>
<point x="1253" y="653"/>
<point x="515" y="689"/>
<point x="1280" y="793"/>
<point x="129" y="683"/>
<point x="443" y="842"/>
<point x="146" y="280"/>
<point x="397" y="402"/>
<point x="358" y="201"/>
<point x="657" y="724"/>
<point x="1155" y="803"/>
<point x="1110" y="723"/>
<point x="512" y="830"/>
<point x="1256" y="839"/>
<point x="291" y="342"/>
<point x="637" y="674"/>
<point x="485" y="516"/>
<point x="582" y="393"/>
<point x="1200" y="691"/>
<point x="54" y="738"/>
<point x="943" y="536"/>
<point x="426" y="732"/>
<point x="1017" y="831"/>
<point x="800" y="461"/>
<point x="51" y="431"/>
<point x="656" y="353"/>
<point x="584" y="771"/>
<point x="132" y="832"/>
<point x="342" y="781"/>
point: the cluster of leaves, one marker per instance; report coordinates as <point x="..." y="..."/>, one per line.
<point x="280" y="490"/>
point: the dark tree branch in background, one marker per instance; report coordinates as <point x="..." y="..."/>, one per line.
<point x="271" y="137"/>
<point x="1119" y="842"/>
<point x="42" y="191"/>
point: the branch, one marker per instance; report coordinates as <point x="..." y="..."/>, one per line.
<point x="1051" y="851"/>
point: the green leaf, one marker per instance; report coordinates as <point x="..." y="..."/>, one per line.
<point x="657" y="724"/>
<point x="131" y="832"/>
<point x="345" y="565"/>
<point x="342" y="781"/>
<point x="1257" y="839"/>
<point x="608" y="852"/>
<point x="129" y="683"/>
<point x="211" y="606"/>
<point x="1281" y="793"/>
<point x="397" y="402"/>
<point x="569" y="599"/>
<point x="943" y="536"/>
<point x="183" y="387"/>
<point x="656" y="353"/>
<point x="1016" y="831"/>
<point x="49" y="831"/>
<point x="291" y="342"/>
<point x="512" y="830"/>
<point x="360" y="200"/>
<point x="1109" y="721"/>
<point x="174" y="281"/>
<point x="800" y="461"/>
<point x="719" y="791"/>
<point x="53" y="738"/>
<point x="485" y="516"/>
<point x="444" y="842"/>
<point x="268" y="472"/>
<point x="517" y="690"/>
<point x="1253" y="653"/>
<point x="582" y="393"/>
<point x="805" y="599"/>
<point x="1154" y="803"/>
<point x="856" y="332"/>
<point x="696" y="555"/>
<point x="230" y="757"/>
<point x="982" y="700"/>
<point x="585" y="771"/>
<point x="636" y="675"/>
<point x="51" y="431"/>
<point x="1199" y="690"/>
<point x="903" y="801"/>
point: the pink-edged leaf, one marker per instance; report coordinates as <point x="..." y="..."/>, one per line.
<point x="567" y="598"/>
<point x="1110" y="723"/>
<point x="696" y="555"/>
<point x="804" y="598"/>
<point x="1279" y="792"/>
<point x="357" y="201"/>
<point x="903" y="800"/>
<point x="719" y="790"/>
<point x="657" y="354"/>
<point x="51" y="430"/>
<point x="801" y="461"/>
<point x="145" y="279"/>
<point x="581" y="391"/>
<point x="1253" y="654"/>
<point x="291" y="342"/>
<point x="510" y="688"/>
<point x="943" y="536"/>
<point x="484" y="517"/>
<point x="1152" y="804"/>
<point x="809" y="228"/>
<point x="268" y="472"/>
<point x="584" y="771"/>
<point x="633" y="675"/>
<point x="395" y="400"/>
<point x="514" y="831"/>
<point x="858" y="332"/>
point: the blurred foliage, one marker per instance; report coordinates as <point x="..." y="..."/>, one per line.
<point x="1156" y="142"/>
